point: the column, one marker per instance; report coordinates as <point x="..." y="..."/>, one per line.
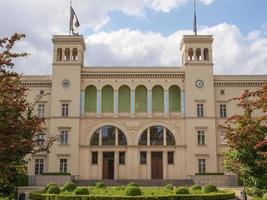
<point x="116" y="165"/>
<point x="148" y="163"/>
<point x="100" y="138"/>
<point x="100" y="165"/>
<point x="183" y="102"/>
<point x="149" y="102"/>
<point x="132" y="102"/>
<point x="99" y="101"/>
<point x="116" y="101"/>
<point x="164" y="137"/>
<point x="166" y="102"/>
<point x="165" y="165"/>
<point x="148" y="137"/>
<point x="82" y="102"/>
<point x="116" y="137"/>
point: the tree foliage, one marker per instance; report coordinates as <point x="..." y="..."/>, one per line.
<point x="18" y="122"/>
<point x="246" y="137"/>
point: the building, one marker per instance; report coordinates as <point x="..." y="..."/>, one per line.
<point x="135" y="122"/>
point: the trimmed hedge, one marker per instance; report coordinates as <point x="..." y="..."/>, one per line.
<point x="221" y="196"/>
<point x="133" y="191"/>
<point x="169" y="186"/>
<point x="81" y="191"/>
<point x="100" y="185"/>
<point x="132" y="184"/>
<point x="215" y="173"/>
<point x="36" y="195"/>
<point x="209" y="188"/>
<point x="69" y="186"/>
<point x="195" y="187"/>
<point x="48" y="186"/>
<point x="56" y="174"/>
<point x="53" y="190"/>
<point x="181" y="190"/>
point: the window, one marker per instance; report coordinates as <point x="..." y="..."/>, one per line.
<point x="64" y="137"/>
<point x="190" y="54"/>
<point x="122" y="158"/>
<point x="122" y="138"/>
<point x="108" y="135"/>
<point x="40" y="139"/>
<point x="206" y="54"/>
<point x="170" y="157"/>
<point x="94" y="158"/>
<point x="222" y="92"/>
<point x="170" y="138"/>
<point x="143" y="157"/>
<point x="41" y="110"/>
<point x="65" y="110"/>
<point x="201" y="137"/>
<point x="200" y="110"/>
<point x="41" y="92"/>
<point x="223" y="110"/>
<point x="63" y="165"/>
<point x="156" y="135"/>
<point x="143" y="139"/>
<point x="202" y="166"/>
<point x="95" y="138"/>
<point x="223" y="133"/>
<point x="39" y="166"/>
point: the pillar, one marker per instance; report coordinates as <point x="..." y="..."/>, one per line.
<point x="132" y="102"/>
<point x="166" y="102"/>
<point x="82" y="102"/>
<point x="100" y="137"/>
<point x="164" y="137"/>
<point x="99" y="101"/>
<point x="116" y="102"/>
<point x="116" y="137"/>
<point x="148" y="137"/>
<point x="100" y="165"/>
<point x="183" y="102"/>
<point x="165" y="164"/>
<point x="116" y="165"/>
<point x="148" y="163"/>
<point x="149" y="102"/>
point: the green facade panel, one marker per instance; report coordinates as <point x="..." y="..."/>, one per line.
<point x="141" y="99"/>
<point x="90" y="99"/>
<point x="174" y="99"/>
<point x="124" y="99"/>
<point x="157" y="99"/>
<point x="107" y="99"/>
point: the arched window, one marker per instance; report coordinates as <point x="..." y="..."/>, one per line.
<point x="90" y="99"/>
<point x="157" y="99"/>
<point x="74" y="54"/>
<point x="198" y="54"/>
<point x="141" y="99"/>
<point x="59" y="54"/>
<point x="206" y="54"/>
<point x="108" y="137"/>
<point x="107" y="99"/>
<point x="67" y="54"/>
<point x="174" y="99"/>
<point x="190" y="54"/>
<point x="124" y="99"/>
<point x="156" y="135"/>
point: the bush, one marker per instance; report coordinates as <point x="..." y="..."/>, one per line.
<point x="133" y="191"/>
<point x="69" y="186"/>
<point x="132" y="184"/>
<point x="181" y="190"/>
<point x="169" y="187"/>
<point x="36" y="196"/>
<point x="53" y="190"/>
<point x="56" y="174"/>
<point x="48" y="186"/>
<point x="209" y="188"/>
<point x="100" y="185"/>
<point x="215" y="173"/>
<point x="195" y="187"/>
<point x="81" y="191"/>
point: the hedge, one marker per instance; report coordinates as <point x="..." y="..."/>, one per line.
<point x="204" y="174"/>
<point x="220" y="196"/>
<point x="55" y="174"/>
<point x="36" y="196"/>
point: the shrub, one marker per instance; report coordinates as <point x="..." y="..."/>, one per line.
<point x="182" y="190"/>
<point x="169" y="187"/>
<point x="56" y="174"/>
<point x="195" y="187"/>
<point x="133" y="191"/>
<point x="132" y="184"/>
<point x="209" y="188"/>
<point x="81" y="191"/>
<point x="53" y="190"/>
<point x="69" y="186"/>
<point x="35" y="195"/>
<point x="100" y="185"/>
<point x="48" y="186"/>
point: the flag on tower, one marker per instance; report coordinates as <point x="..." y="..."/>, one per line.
<point x="74" y="22"/>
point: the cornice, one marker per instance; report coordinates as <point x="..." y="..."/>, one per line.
<point x="37" y="84"/>
<point x="240" y="83"/>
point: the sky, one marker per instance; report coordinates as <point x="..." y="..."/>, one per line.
<point x="140" y="32"/>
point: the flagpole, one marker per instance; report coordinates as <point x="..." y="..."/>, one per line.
<point x="70" y="20"/>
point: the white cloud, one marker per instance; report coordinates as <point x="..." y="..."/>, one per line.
<point x="233" y="52"/>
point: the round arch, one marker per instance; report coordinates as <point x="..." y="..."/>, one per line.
<point x="90" y="99"/>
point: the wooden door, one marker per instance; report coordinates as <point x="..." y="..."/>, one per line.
<point x="108" y="165"/>
<point x="156" y="165"/>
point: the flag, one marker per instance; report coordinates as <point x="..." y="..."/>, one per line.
<point x="74" y="22"/>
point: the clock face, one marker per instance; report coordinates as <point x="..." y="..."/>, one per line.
<point x="199" y="83"/>
<point x="65" y="83"/>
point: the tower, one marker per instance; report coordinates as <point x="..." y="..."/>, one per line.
<point x="68" y="58"/>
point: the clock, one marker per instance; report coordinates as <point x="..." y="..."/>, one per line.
<point x="65" y="83"/>
<point x="199" y="83"/>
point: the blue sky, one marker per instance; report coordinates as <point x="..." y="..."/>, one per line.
<point x="141" y="32"/>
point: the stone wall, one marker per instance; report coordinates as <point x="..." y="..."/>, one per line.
<point x="43" y="180"/>
<point x="218" y="180"/>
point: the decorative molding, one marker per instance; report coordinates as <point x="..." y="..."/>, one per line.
<point x="46" y="84"/>
<point x="228" y="83"/>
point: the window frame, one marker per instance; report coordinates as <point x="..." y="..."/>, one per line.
<point x="200" y="110"/>
<point x="170" y="157"/>
<point x="94" y="158"/>
<point x="41" y="110"/>
<point x="201" y="137"/>
<point x="38" y="166"/>
<point x="63" y="165"/>
<point x="64" y="137"/>
<point x="122" y="158"/>
<point x="65" y="109"/>
<point x="223" y="110"/>
<point x="202" y="165"/>
<point x="143" y="161"/>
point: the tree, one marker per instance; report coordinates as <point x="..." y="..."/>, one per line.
<point x="18" y="123"/>
<point x="246" y="136"/>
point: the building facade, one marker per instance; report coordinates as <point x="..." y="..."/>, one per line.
<point x="135" y="122"/>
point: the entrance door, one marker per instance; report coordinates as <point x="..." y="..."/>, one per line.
<point x="108" y="165"/>
<point x="156" y="165"/>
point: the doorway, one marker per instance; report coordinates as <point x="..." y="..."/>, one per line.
<point x="156" y="165"/>
<point x="108" y="165"/>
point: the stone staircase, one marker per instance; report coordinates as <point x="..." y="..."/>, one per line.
<point x="180" y="182"/>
